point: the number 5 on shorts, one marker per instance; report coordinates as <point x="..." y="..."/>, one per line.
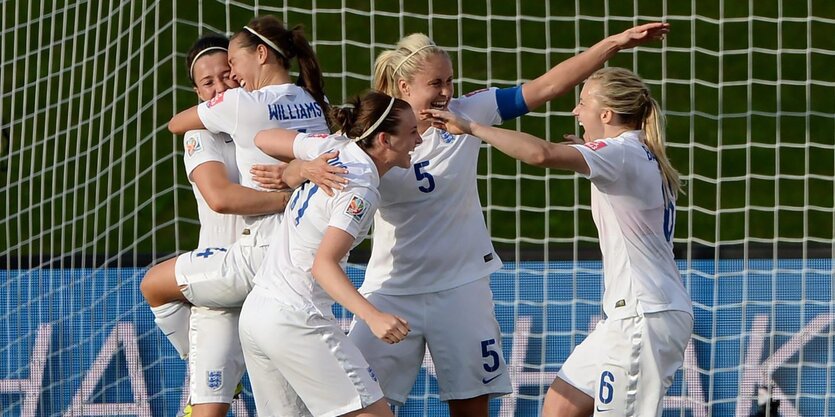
<point x="490" y="355"/>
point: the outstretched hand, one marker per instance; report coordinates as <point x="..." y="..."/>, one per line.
<point x="642" y="34"/>
<point x="269" y="176"/>
<point x="328" y="177"/>
<point x="447" y="121"/>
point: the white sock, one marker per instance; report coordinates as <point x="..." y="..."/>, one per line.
<point x="173" y="319"/>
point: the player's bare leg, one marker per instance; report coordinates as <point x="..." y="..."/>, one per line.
<point x="209" y="410"/>
<point x="379" y="409"/>
<point x="564" y="400"/>
<point x="168" y="304"/>
<point x="470" y="407"/>
<point x="159" y="286"/>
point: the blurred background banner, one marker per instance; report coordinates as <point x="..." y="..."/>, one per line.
<point x="93" y="189"/>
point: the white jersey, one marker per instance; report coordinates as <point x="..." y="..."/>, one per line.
<point x="203" y="146"/>
<point x="243" y="114"/>
<point x="286" y="272"/>
<point x="635" y="223"/>
<point x="429" y="232"/>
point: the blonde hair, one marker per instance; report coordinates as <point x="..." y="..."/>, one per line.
<point x="629" y="97"/>
<point x="403" y="62"/>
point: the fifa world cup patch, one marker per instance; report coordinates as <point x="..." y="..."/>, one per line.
<point x="214" y="379"/>
<point x="215" y="100"/>
<point x="596" y="145"/>
<point x="193" y="145"/>
<point x="357" y="208"/>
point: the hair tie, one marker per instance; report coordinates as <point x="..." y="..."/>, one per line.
<point x="376" y="124"/>
<point x="201" y="53"/>
<point x="411" y="55"/>
<point x="264" y="39"/>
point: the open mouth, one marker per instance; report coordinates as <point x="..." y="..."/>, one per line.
<point x="438" y="105"/>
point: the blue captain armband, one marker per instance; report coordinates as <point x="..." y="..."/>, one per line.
<point x="511" y="103"/>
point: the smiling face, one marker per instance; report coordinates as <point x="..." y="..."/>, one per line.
<point x="590" y="113"/>
<point x="212" y="75"/>
<point x="431" y="87"/>
<point x="244" y="64"/>
<point x="403" y="143"/>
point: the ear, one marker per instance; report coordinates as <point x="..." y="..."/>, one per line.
<point x="261" y="53"/>
<point x="606" y="116"/>
<point x="403" y="87"/>
<point x="383" y="140"/>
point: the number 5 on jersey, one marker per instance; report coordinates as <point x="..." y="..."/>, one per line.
<point x="421" y="175"/>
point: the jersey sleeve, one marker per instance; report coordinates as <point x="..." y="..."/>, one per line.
<point x="479" y="106"/>
<point x="605" y="158"/>
<point x="220" y="114"/>
<point x="201" y="146"/>
<point x="308" y="146"/>
<point x="353" y="210"/>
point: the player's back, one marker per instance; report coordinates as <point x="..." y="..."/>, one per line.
<point x="243" y="114"/>
<point x="286" y="272"/>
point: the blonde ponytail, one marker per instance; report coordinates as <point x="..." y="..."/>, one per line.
<point x="629" y="97"/>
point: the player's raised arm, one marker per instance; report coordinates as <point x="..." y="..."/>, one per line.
<point x="184" y="121"/>
<point x="518" y="145"/>
<point x="277" y="143"/>
<point x="565" y="75"/>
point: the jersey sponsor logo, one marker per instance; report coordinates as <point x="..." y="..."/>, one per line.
<point x="447" y="137"/>
<point x="596" y="145"/>
<point x="214" y="379"/>
<point x="357" y="208"/>
<point x="215" y="100"/>
<point x="319" y="136"/>
<point x="294" y="111"/>
<point x="193" y="145"/>
<point x="472" y="93"/>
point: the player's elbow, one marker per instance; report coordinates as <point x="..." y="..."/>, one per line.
<point x="175" y="127"/>
<point x="218" y="201"/>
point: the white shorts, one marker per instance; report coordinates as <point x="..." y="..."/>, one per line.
<point x="219" y="277"/>
<point x="216" y="362"/>
<point x="301" y="358"/>
<point x="458" y="325"/>
<point x="627" y="364"/>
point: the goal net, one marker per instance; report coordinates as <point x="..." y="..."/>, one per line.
<point x="94" y="189"/>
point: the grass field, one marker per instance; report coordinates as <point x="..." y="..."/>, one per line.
<point x="87" y="88"/>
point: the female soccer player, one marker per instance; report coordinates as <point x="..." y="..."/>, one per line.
<point x="220" y="275"/>
<point x="432" y="255"/>
<point x="210" y="165"/>
<point x="288" y="331"/>
<point x="624" y="367"/>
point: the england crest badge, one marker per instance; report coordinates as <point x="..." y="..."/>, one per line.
<point x="214" y="379"/>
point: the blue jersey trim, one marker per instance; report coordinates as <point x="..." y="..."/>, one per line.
<point x="511" y="102"/>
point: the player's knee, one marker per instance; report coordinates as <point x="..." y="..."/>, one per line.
<point x="150" y="286"/>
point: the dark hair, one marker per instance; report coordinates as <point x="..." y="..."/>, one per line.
<point x="292" y="44"/>
<point x="361" y="112"/>
<point x="212" y="40"/>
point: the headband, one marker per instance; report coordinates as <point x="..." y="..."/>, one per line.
<point x="201" y="53"/>
<point x="411" y="55"/>
<point x="376" y="124"/>
<point x="264" y="39"/>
